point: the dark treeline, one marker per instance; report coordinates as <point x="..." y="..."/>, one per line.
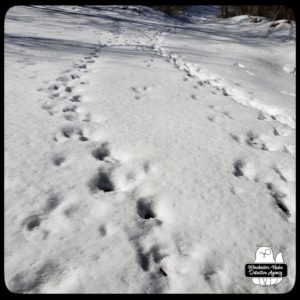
<point x="271" y="12"/>
<point x="173" y="10"/>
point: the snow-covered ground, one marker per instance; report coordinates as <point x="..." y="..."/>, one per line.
<point x="146" y="154"/>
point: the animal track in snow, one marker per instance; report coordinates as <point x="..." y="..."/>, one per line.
<point x="150" y="261"/>
<point x="63" y="78"/>
<point x="275" y="131"/>
<point x="225" y="93"/>
<point x="193" y="96"/>
<point x="245" y="168"/>
<point x="101" y="182"/>
<point x="139" y="91"/>
<point x="32" y="222"/>
<point x="278" y="196"/>
<point x="86" y="117"/>
<point x="54" y="95"/>
<point x="70" y="131"/>
<point x="52" y="202"/>
<point x="238" y="168"/>
<point x="154" y="254"/>
<point x="145" y="208"/>
<point x="68" y="89"/>
<point x="82" y="66"/>
<point x="53" y="87"/>
<point x="58" y="159"/>
<point x="101" y="152"/>
<point x="70" y="108"/>
<point x="266" y="142"/>
<point x="277" y="171"/>
<point x="261" y="116"/>
<point x="75" y="98"/>
<point x="71" y="116"/>
<point x="283" y="131"/>
<point x="252" y="138"/>
<point x="102" y="230"/>
<point x="75" y="76"/>
<point x="143" y="259"/>
<point x="48" y="106"/>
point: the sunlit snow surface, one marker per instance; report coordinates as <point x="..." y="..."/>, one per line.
<point x="146" y="154"/>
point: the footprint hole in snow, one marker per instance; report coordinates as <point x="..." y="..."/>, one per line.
<point x="225" y="93"/>
<point x="75" y="98"/>
<point x="70" y="108"/>
<point x="67" y="131"/>
<point x="143" y="259"/>
<point x="147" y="166"/>
<point x="261" y="116"/>
<point x="275" y="131"/>
<point x="101" y="182"/>
<point x="145" y="209"/>
<point x="74" y="76"/>
<point x="238" y="168"/>
<point x="264" y="147"/>
<point x="58" y="159"/>
<point x="102" y="230"/>
<point x="47" y="106"/>
<point x="55" y="95"/>
<point x="83" y="138"/>
<point x="283" y="208"/>
<point x="53" y="87"/>
<point x="52" y="202"/>
<point x="32" y="222"/>
<point x="251" y="138"/>
<point x="68" y="89"/>
<point x="70" y="131"/>
<point x="101" y="152"/>
<point x="278" y="196"/>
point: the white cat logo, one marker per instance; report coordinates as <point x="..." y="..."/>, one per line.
<point x="264" y="255"/>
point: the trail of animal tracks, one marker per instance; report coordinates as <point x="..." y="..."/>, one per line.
<point x="146" y="154"/>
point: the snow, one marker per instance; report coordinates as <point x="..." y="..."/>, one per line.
<point x="145" y="153"/>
